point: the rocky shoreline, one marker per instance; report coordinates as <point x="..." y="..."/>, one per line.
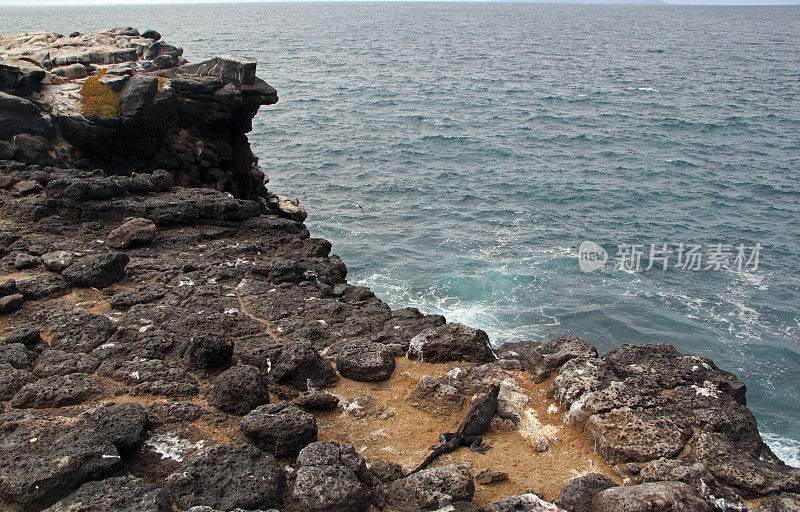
<point x="174" y="338"/>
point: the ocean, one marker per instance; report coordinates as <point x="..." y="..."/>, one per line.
<point x="458" y="154"/>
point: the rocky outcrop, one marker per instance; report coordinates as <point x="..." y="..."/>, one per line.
<point x="160" y="112"/>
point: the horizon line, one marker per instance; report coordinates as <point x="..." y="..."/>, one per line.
<point x="683" y="3"/>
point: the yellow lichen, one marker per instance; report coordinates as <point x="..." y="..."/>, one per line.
<point x="98" y="99"/>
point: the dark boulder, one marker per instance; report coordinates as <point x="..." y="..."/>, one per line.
<point x="280" y="429"/>
<point x="365" y="361"/>
<point x="11" y="303"/>
<point x="317" y="402"/>
<point x="431" y="489"/>
<point x="137" y="95"/>
<point x="31" y="149"/>
<point x="98" y="271"/>
<point x="298" y="363"/>
<point x="227" y="477"/>
<point x="122" y="424"/>
<point x="18" y="115"/>
<point x="45" y="286"/>
<point x="579" y="492"/>
<point x="238" y="390"/>
<point x="24" y="261"/>
<point x="82" y="332"/>
<point x="133" y="233"/>
<point x="208" y="351"/>
<point x="151" y="34"/>
<point x="451" y="342"/>
<point x="332" y="477"/>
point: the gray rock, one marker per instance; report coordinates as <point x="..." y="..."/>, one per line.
<point x="695" y="475"/>
<point x="120" y="494"/>
<point x="451" y="342"/>
<point x="141" y="295"/>
<point x="98" y="271"/>
<point x="653" y="497"/>
<point x="18" y="115"/>
<point x="58" y="391"/>
<point x="122" y="424"/>
<point x="783" y="502"/>
<point x="137" y="95"/>
<point x="82" y="332"/>
<point x="43" y="459"/>
<point x="228" y="476"/>
<point x="153" y="376"/>
<point x="7" y="150"/>
<point x="638" y="435"/>
<point x="524" y="502"/>
<point x="15" y="355"/>
<point x="490" y="476"/>
<point x="43" y="287"/>
<point x="209" y="352"/>
<point x="317" y="402"/>
<point x="386" y="471"/>
<point x="333" y="477"/>
<point x="238" y="390"/>
<point x="365" y="361"/>
<point x="58" y="362"/>
<point x="28" y="187"/>
<point x="31" y="149"/>
<point x="435" y="397"/>
<point x="280" y="429"/>
<point x="579" y="492"/>
<point x="11" y="303"/>
<point x="133" y="233"/>
<point x="748" y="475"/>
<point x="71" y="71"/>
<point x="57" y="261"/>
<point x="26" y="336"/>
<point x="12" y="380"/>
<point x="298" y="363"/>
<point x="432" y="489"/>
<point x="162" y="180"/>
<point x="25" y="261"/>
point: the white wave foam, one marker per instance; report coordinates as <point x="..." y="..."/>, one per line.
<point x="788" y="450"/>
<point x="647" y="89"/>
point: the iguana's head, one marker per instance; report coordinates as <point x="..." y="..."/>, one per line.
<point x="494" y="390"/>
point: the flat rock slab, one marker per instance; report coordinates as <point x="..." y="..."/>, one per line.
<point x="43" y="459"/>
<point x="281" y="429"/>
<point x="98" y="271"/>
<point x="428" y="489"/>
<point x="58" y="391"/>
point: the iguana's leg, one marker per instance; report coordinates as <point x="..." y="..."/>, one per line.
<point x="443" y="438"/>
<point x="476" y="444"/>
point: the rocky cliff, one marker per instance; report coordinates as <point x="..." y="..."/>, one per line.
<point x="173" y="338"/>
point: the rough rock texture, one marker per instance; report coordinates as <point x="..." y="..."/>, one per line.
<point x="579" y="492"/>
<point x="365" y="361"/>
<point x="238" y="390"/>
<point x="332" y="477"/>
<point x="99" y="271"/>
<point x="525" y="502"/>
<point x="431" y="489"/>
<point x="43" y="459"/>
<point x="298" y="364"/>
<point x="655" y="497"/>
<point x="58" y="391"/>
<point x="121" y="494"/>
<point x="280" y="429"/>
<point x="132" y="233"/>
<point x="212" y="478"/>
<point x="451" y="342"/>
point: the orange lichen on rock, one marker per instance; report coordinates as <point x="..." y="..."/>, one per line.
<point x="97" y="98"/>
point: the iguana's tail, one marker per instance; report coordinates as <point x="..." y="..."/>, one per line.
<point x="439" y="450"/>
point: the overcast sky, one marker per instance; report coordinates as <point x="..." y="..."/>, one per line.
<point x="120" y="2"/>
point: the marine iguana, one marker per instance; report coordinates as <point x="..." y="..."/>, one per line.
<point x="471" y="430"/>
